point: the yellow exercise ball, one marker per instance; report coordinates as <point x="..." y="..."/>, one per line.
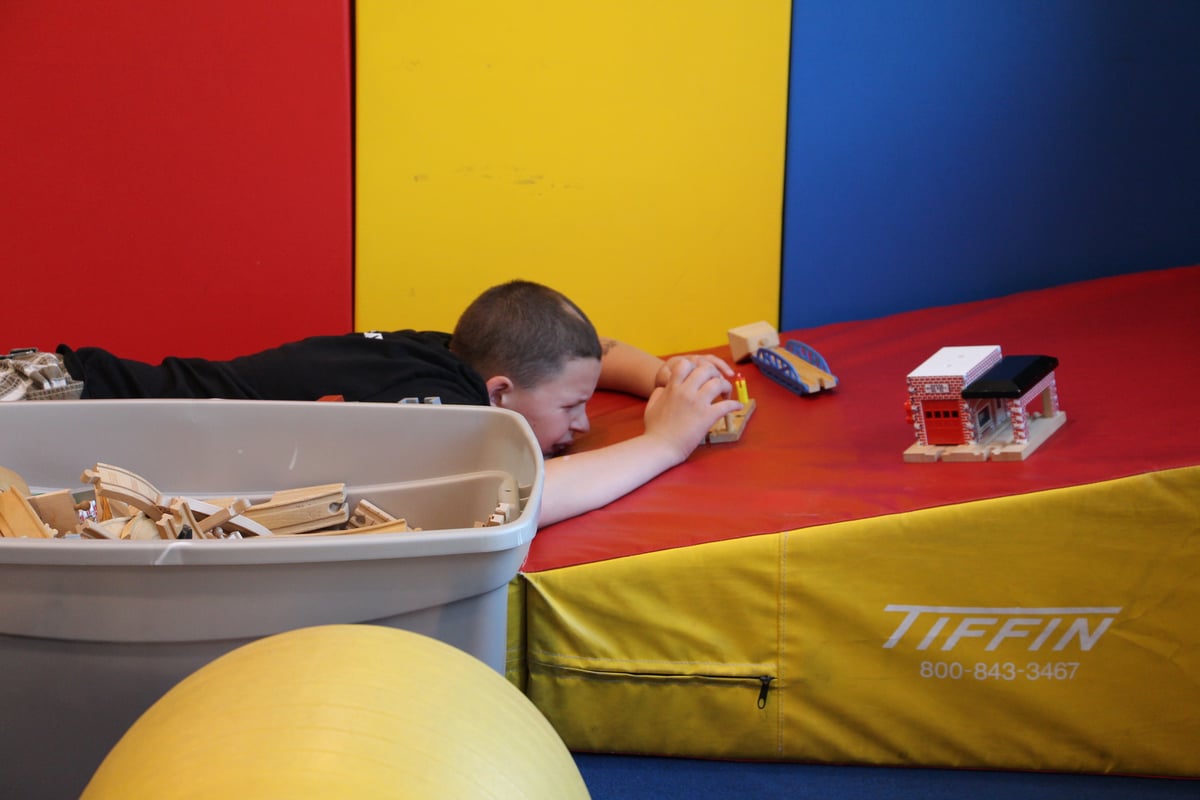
<point x="346" y="712"/>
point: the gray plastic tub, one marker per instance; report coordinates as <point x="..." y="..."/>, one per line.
<point x="93" y="632"/>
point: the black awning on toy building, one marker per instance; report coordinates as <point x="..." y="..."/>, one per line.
<point x="1013" y="376"/>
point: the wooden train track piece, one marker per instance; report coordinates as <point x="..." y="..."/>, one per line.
<point x="129" y="507"/>
<point x="180" y="523"/>
<point x="211" y="516"/>
<point x="116" y="483"/>
<point x="310" y="508"/>
<point x="10" y="477"/>
<point x="366" y="514"/>
<point x="90" y="529"/>
<point x="18" y="519"/>
<point x="58" y="510"/>
<point x="140" y="528"/>
<point x="394" y="526"/>
<point x="504" y="513"/>
<point x="224" y="518"/>
<point x="730" y="427"/>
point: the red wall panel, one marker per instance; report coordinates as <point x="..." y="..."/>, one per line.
<point x="176" y="177"/>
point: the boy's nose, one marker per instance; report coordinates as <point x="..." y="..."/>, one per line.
<point x="580" y="423"/>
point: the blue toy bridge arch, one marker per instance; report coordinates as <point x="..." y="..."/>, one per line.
<point x="778" y="368"/>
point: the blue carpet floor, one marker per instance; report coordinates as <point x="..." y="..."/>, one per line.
<point x="634" y="778"/>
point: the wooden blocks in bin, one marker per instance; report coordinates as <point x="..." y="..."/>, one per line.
<point x="122" y="505"/>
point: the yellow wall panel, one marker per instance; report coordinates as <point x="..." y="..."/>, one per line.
<point x="630" y="154"/>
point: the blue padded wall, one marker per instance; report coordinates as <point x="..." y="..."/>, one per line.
<point x="941" y="151"/>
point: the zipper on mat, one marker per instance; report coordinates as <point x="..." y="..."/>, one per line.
<point x="764" y="681"/>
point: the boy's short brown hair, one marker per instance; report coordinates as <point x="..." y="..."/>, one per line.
<point x="523" y="330"/>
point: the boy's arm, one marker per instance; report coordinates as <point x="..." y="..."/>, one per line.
<point x="625" y="368"/>
<point x="677" y="418"/>
<point x="629" y="369"/>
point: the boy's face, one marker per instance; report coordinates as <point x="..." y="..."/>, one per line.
<point x="556" y="408"/>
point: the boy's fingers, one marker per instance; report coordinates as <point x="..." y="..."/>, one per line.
<point x="728" y="406"/>
<point x="702" y="380"/>
<point x="703" y="370"/>
<point x="718" y="386"/>
<point x="681" y="369"/>
<point x="720" y="364"/>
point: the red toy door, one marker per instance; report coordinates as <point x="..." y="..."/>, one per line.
<point x="943" y="424"/>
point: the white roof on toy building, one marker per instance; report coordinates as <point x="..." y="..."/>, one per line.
<point x="957" y="361"/>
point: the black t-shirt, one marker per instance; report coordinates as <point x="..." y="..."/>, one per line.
<point x="367" y="367"/>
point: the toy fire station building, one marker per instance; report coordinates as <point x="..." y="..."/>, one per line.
<point x="973" y="403"/>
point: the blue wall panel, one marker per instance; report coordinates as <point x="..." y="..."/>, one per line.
<point x="942" y="151"/>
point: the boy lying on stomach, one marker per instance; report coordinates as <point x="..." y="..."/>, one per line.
<point x="520" y="345"/>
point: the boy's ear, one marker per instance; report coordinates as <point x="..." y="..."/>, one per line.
<point x="498" y="387"/>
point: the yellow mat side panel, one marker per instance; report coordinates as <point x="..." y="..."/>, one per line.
<point x="514" y="659"/>
<point x="630" y="154"/>
<point x="662" y="652"/>
<point x="1052" y="630"/>
<point x="1046" y="631"/>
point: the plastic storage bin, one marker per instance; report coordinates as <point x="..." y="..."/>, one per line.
<point x="93" y="632"/>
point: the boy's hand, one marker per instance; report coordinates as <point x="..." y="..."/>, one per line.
<point x="697" y="358"/>
<point x="694" y="396"/>
<point x="678" y="416"/>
